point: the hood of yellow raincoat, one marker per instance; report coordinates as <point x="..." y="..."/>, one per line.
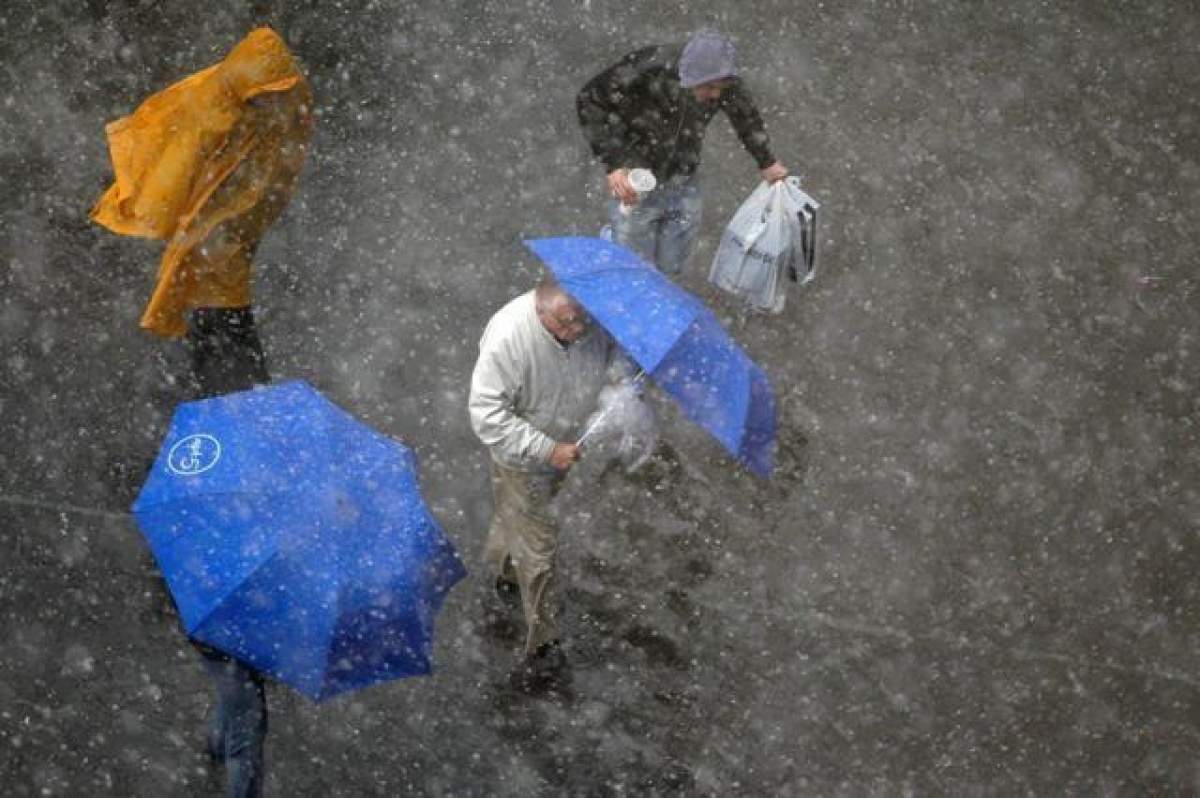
<point x="160" y="150"/>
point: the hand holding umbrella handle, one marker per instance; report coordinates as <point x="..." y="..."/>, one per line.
<point x="564" y="455"/>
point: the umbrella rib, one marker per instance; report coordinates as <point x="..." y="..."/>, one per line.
<point x="233" y="589"/>
<point x="272" y="555"/>
<point x="606" y="270"/>
<point x="690" y="302"/>
<point x="185" y="499"/>
<point x="651" y="368"/>
<point x="170" y="545"/>
<point x="327" y="647"/>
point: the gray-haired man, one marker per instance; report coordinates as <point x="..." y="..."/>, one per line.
<point x="650" y="110"/>
<point x="540" y="370"/>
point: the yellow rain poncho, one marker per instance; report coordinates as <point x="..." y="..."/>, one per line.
<point x="208" y="164"/>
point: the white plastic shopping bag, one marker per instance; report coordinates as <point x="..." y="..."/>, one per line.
<point x="773" y="234"/>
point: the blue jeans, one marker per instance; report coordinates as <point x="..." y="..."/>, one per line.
<point x="239" y="725"/>
<point x="663" y="226"/>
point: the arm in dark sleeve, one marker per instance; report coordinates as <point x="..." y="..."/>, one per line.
<point x="748" y="124"/>
<point x="602" y="103"/>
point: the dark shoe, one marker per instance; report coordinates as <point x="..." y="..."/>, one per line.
<point x="214" y="742"/>
<point x="498" y="621"/>
<point x="550" y="654"/>
<point x="508" y="592"/>
<point x="545" y="669"/>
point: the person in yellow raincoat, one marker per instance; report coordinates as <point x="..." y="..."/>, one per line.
<point x="207" y="165"/>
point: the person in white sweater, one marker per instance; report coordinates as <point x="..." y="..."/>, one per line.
<point x="541" y="366"/>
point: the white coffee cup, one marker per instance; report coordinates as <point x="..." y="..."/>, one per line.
<point x="643" y="182"/>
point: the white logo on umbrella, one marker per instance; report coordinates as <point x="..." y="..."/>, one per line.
<point x="193" y="455"/>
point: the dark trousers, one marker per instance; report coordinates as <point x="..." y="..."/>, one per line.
<point x="227" y="357"/>
<point x="226" y="353"/>
<point x="239" y="724"/>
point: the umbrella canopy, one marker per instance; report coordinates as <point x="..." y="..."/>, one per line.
<point x="294" y="538"/>
<point x="675" y="338"/>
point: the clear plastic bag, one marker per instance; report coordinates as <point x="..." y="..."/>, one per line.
<point x="623" y="426"/>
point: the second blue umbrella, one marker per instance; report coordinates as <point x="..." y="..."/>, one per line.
<point x="675" y="338"/>
<point x="294" y="538"/>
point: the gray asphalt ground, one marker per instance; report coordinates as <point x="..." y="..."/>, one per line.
<point x="976" y="570"/>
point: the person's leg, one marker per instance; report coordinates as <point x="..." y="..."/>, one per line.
<point x="495" y="550"/>
<point x="531" y="532"/>
<point x="226" y="353"/>
<point x="240" y="722"/>
<point x="638" y="229"/>
<point x="246" y="347"/>
<point x="683" y="206"/>
<point x="226" y="357"/>
<point x="204" y="350"/>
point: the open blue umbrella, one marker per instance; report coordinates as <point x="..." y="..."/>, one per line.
<point x="675" y="338"/>
<point x="294" y="538"/>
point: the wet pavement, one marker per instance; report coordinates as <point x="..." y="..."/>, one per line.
<point x="975" y="572"/>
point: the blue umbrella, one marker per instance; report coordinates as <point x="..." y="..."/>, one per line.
<point x="294" y="538"/>
<point x="675" y="338"/>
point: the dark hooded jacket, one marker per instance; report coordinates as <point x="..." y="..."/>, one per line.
<point x="635" y="114"/>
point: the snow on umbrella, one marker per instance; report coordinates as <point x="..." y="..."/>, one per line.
<point x="675" y="338"/>
<point x="294" y="538"/>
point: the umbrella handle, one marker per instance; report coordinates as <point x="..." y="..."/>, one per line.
<point x="637" y="378"/>
<point x="591" y="428"/>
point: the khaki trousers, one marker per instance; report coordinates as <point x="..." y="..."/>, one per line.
<point x="522" y="541"/>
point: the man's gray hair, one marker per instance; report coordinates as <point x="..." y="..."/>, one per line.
<point x="548" y="290"/>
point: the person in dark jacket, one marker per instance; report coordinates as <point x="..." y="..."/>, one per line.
<point x="650" y="111"/>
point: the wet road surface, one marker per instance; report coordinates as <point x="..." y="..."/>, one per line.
<point x="975" y="572"/>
